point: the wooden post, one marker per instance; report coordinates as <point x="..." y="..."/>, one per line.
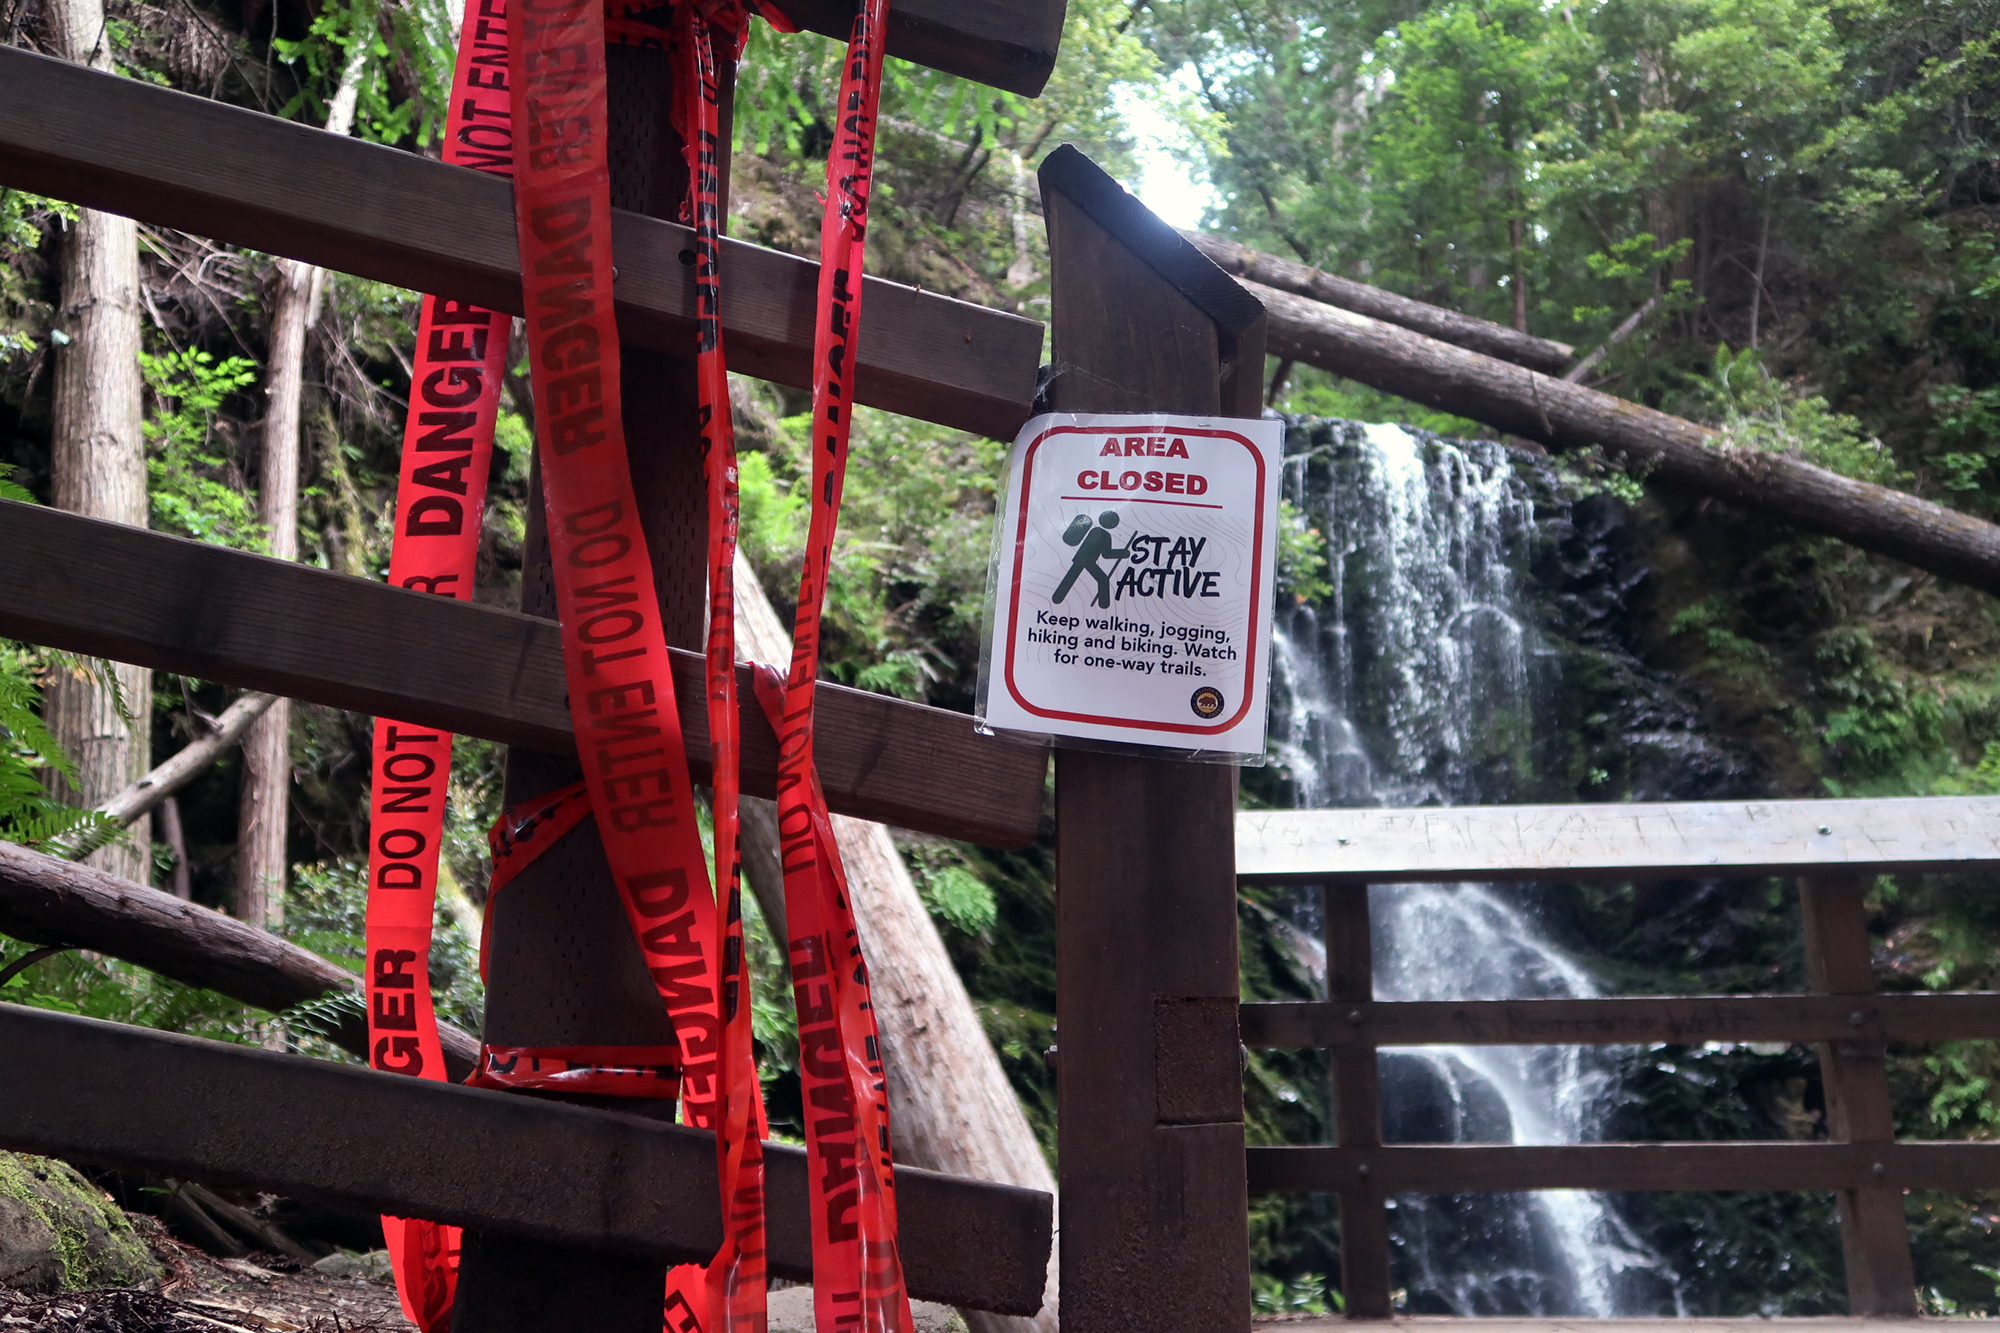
<point x="1150" y="1100"/>
<point x="564" y="969"/>
<point x="1357" y="1100"/>
<point x="1874" y="1235"/>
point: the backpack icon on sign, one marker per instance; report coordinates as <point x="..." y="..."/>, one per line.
<point x="1092" y="542"/>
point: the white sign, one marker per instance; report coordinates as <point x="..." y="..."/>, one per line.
<point x="1130" y="597"/>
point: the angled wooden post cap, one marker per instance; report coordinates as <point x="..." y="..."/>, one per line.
<point x="1238" y="317"/>
<point x="1168" y="253"/>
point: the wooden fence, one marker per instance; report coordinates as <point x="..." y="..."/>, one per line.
<point x="1832" y="847"/>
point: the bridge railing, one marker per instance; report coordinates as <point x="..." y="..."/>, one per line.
<point x="1831" y="847"/>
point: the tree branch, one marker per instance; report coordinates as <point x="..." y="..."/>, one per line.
<point x="1625" y="330"/>
<point x="47" y="900"/>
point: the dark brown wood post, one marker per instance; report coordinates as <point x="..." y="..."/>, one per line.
<point x="1150" y="1102"/>
<point x="564" y="969"/>
<point x="1357" y="1101"/>
<point x="1874" y="1235"/>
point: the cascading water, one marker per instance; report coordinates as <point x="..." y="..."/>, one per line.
<point x="1415" y="683"/>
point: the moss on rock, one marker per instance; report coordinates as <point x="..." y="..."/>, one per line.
<point x="60" y="1232"/>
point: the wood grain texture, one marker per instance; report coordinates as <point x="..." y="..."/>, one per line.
<point x="526" y="1167"/>
<point x="1357" y="1101"/>
<point x="1626" y="1020"/>
<point x="1008" y="44"/>
<point x="1469" y="1169"/>
<point x="173" y="160"/>
<point x="1874" y="1237"/>
<point x="1659" y="447"/>
<point x="1154" y="1214"/>
<point x="47" y="900"/>
<point x="97" y="459"/>
<point x="1646" y="841"/>
<point x="287" y="629"/>
<point x="1478" y="335"/>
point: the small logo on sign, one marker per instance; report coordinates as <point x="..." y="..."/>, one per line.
<point x="1207" y="702"/>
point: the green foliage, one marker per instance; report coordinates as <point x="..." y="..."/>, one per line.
<point x="909" y="570"/>
<point x="1302" y="567"/>
<point x="326" y="911"/>
<point x="96" y="986"/>
<point x="25" y="310"/>
<point x="194" y="490"/>
<point x="1593" y="472"/>
<point x="1756" y="411"/>
<point x="950" y="888"/>
<point x="29" y="755"/>
<point x="786" y="82"/>
<point x="1307" y="1293"/>
<point x="413" y="41"/>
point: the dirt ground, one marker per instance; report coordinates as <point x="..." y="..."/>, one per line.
<point x="205" y="1295"/>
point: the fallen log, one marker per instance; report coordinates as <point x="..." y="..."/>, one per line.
<point x="1481" y="335"/>
<point x="950" y="1104"/>
<point x="47" y="900"/>
<point x="1652" y="444"/>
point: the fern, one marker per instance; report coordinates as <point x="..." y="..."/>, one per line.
<point x="28" y="755"/>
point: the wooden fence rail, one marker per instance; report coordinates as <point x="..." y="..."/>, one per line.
<point x="1829" y="845"/>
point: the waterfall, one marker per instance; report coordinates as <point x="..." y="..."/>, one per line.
<point x="1416" y="683"/>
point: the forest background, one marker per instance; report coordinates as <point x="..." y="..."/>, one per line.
<point x="1805" y="192"/>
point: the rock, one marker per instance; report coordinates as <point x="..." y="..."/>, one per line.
<point x="345" y="1263"/>
<point x="60" y="1232"/>
<point x="792" y="1312"/>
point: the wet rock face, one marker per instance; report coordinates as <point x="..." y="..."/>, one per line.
<point x="1478" y="646"/>
<point x="59" y="1232"/>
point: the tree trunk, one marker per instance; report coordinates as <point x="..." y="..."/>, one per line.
<point x="1655" y="445"/>
<point x="1463" y="330"/>
<point x="47" y="900"/>
<point x="950" y="1105"/>
<point x="265" y="800"/>
<point x="99" y="465"/>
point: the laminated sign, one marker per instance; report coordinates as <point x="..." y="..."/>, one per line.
<point x="1130" y="597"/>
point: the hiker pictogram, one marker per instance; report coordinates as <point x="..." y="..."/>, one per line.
<point x="1093" y="543"/>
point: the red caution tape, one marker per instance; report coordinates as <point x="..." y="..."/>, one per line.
<point x="857" y="1273"/>
<point x="620" y="684"/>
<point x="440" y="497"/>
<point x="600" y="1071"/>
<point x="621" y="688"/>
<point x="737" y="1283"/>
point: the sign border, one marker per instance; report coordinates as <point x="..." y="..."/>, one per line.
<point x="1256" y="584"/>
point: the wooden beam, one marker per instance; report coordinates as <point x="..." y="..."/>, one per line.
<point x="1639" y="841"/>
<point x="172" y="160"/>
<point x="1357" y="1104"/>
<point x="1150" y="1084"/>
<point x="1008" y="44"/>
<point x="1472" y="1169"/>
<point x="1874" y="1236"/>
<point x="175" y="605"/>
<point x="1626" y="1020"/>
<point x="521" y="1166"/>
